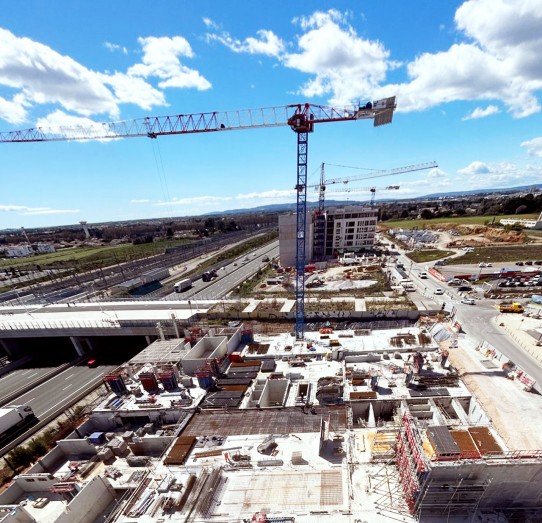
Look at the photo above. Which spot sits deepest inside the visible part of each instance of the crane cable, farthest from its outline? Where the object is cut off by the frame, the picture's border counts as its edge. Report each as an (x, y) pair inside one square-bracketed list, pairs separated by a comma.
[(161, 173)]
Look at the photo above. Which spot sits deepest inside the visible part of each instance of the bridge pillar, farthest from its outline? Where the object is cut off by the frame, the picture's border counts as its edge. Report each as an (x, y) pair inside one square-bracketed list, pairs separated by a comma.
[(148, 340), (77, 345)]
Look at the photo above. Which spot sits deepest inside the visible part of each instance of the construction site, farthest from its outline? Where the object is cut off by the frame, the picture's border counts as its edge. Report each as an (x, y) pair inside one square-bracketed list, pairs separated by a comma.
[(228, 425)]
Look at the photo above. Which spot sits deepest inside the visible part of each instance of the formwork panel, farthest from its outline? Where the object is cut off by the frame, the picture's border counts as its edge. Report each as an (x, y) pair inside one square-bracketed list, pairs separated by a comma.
[(484, 440), (464, 442)]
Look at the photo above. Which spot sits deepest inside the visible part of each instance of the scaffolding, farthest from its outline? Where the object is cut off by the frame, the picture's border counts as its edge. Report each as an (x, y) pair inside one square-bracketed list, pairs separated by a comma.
[(412, 464)]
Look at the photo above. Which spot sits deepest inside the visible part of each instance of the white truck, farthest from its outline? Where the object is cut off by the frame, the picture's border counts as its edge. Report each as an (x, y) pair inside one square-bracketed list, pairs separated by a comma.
[(182, 285), (14, 419)]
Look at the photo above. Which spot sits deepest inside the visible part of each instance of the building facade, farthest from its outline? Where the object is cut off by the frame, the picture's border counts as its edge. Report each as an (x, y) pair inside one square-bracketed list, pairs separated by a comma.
[(343, 229)]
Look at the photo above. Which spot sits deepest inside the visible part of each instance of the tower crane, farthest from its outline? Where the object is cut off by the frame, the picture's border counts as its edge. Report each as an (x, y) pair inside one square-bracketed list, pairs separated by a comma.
[(300, 117), (319, 217)]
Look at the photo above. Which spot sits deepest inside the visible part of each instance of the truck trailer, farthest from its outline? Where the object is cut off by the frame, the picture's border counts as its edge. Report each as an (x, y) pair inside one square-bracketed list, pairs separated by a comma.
[(182, 285), (14, 420)]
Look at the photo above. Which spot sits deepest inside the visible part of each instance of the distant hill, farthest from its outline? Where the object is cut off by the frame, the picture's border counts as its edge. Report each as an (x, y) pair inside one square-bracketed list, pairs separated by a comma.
[(285, 207)]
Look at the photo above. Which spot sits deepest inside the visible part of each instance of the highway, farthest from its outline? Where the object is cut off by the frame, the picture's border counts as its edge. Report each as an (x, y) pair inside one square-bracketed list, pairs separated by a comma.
[(19, 379), (230, 276), (60, 391)]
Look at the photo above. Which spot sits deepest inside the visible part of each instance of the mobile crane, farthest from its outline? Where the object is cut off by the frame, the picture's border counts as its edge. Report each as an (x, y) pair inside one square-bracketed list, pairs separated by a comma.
[(300, 117)]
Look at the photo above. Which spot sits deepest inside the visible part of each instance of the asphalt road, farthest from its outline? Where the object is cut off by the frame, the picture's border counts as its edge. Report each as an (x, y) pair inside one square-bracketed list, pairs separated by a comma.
[(61, 390), (230, 276), (476, 320), (18, 379)]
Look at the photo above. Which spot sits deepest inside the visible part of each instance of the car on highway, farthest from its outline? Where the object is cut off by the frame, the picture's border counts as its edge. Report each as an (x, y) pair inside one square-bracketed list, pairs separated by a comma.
[(485, 264), (468, 301), (439, 291), (423, 275), (92, 363)]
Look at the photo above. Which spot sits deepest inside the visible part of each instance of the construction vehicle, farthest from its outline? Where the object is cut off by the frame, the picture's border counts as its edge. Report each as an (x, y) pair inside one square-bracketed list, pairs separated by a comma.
[(511, 307), (14, 419)]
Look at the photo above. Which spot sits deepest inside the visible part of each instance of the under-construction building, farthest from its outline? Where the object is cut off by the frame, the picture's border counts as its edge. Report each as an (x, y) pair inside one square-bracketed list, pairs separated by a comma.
[(329, 234)]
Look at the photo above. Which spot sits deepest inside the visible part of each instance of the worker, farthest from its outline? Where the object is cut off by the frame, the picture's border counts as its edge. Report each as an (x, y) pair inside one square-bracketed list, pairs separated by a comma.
[(418, 362), (444, 357), (409, 373)]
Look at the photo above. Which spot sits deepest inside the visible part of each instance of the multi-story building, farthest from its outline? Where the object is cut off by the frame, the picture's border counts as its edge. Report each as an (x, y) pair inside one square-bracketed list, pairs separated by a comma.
[(343, 229)]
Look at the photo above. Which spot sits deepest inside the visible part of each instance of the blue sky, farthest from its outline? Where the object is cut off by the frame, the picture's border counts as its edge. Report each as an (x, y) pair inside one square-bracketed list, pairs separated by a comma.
[(467, 77)]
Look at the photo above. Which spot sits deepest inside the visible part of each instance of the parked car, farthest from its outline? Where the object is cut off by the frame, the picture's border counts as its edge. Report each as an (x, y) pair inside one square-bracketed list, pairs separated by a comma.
[(439, 291), (485, 264), (468, 301), (528, 263), (463, 288), (519, 263), (538, 262)]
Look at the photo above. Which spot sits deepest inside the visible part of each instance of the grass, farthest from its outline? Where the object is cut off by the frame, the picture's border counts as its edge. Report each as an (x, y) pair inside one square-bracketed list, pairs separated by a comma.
[(504, 253), (428, 255), (460, 220), (102, 256)]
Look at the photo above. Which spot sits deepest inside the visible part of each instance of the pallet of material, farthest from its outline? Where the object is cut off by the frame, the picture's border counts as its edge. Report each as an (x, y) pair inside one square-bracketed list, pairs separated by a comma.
[(248, 363), (181, 448), (442, 442), (367, 395)]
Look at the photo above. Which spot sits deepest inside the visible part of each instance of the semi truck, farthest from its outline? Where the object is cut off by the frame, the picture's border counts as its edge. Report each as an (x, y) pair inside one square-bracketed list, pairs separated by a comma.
[(14, 420), (182, 285)]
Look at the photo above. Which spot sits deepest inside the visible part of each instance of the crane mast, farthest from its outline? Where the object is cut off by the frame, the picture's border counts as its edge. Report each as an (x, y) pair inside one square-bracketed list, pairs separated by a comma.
[(300, 117)]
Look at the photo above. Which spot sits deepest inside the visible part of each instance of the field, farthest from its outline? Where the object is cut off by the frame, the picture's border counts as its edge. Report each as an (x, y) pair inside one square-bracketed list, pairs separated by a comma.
[(428, 255), (504, 253), (100, 256), (463, 220)]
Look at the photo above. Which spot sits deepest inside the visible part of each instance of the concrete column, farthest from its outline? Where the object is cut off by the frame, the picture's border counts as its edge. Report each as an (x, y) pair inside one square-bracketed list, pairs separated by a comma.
[(77, 345), (148, 340)]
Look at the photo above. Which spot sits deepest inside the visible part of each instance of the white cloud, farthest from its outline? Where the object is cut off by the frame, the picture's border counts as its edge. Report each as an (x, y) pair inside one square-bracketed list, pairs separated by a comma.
[(24, 210), (267, 43), (500, 61), (482, 113), (46, 210), (269, 195), (115, 47), (505, 174), (140, 201), (534, 146), (74, 127), (132, 89), (161, 60), (435, 172), (344, 65), (14, 111), (475, 168), (210, 23), (44, 76)]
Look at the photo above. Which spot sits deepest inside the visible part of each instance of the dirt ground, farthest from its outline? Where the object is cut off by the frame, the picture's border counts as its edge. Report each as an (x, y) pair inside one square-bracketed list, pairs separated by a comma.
[(515, 413)]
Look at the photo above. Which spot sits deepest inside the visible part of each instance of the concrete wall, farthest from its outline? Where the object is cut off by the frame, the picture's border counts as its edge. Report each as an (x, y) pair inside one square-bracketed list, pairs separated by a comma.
[(89, 503), (203, 350), (274, 393), (17, 515), (288, 239), (151, 445), (77, 447), (508, 484)]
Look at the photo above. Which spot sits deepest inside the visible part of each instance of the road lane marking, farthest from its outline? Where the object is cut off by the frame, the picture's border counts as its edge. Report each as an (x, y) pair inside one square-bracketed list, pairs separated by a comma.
[(70, 385), (69, 377)]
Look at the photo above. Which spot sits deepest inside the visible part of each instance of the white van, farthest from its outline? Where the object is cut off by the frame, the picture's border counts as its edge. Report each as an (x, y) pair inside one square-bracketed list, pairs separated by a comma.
[(423, 275)]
